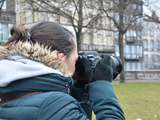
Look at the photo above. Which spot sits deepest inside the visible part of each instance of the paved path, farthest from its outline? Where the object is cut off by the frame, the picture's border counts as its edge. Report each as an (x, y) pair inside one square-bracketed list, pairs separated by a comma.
[(139, 81)]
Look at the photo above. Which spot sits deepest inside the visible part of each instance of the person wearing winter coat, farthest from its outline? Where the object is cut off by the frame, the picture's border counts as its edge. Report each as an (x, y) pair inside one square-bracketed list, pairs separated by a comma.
[(36, 69)]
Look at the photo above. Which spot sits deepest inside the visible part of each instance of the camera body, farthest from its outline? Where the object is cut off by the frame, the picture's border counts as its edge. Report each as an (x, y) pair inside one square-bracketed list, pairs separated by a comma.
[(94, 58)]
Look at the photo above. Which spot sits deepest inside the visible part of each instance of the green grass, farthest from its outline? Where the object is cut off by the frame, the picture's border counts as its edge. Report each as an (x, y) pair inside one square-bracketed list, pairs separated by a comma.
[(139, 100)]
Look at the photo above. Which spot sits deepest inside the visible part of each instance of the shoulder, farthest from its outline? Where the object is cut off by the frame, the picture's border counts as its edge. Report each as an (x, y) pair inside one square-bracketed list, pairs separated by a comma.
[(58, 100), (58, 104), (51, 97)]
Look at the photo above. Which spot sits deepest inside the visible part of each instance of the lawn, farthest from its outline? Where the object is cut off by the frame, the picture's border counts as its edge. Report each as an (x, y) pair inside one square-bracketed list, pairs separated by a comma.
[(140, 101)]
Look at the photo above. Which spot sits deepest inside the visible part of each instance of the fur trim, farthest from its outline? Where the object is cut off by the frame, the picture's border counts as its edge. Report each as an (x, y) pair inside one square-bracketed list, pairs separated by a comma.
[(34, 52)]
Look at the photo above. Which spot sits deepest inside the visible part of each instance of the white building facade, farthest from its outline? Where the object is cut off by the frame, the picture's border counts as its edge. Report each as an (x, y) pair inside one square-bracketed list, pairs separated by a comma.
[(142, 43), (151, 37), (98, 38), (7, 19)]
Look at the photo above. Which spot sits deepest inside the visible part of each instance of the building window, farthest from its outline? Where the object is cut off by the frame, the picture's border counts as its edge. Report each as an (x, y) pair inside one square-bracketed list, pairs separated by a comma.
[(4, 7), (117, 50), (29, 17), (158, 45), (99, 37), (151, 45), (86, 37), (145, 43), (23, 17), (133, 52), (134, 66), (4, 32), (37, 16)]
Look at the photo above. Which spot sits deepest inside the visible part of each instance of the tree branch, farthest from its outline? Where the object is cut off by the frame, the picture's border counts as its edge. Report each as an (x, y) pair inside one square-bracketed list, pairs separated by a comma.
[(93, 19), (48, 7), (1, 4)]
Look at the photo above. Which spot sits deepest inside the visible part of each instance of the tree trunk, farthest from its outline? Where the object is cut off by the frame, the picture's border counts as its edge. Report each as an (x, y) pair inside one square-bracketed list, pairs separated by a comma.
[(80, 25), (78, 37), (121, 30), (121, 52)]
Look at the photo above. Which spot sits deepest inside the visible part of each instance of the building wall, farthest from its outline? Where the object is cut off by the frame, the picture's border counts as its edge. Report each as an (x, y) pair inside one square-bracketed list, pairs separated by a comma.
[(141, 51), (147, 75), (94, 38), (151, 51), (7, 19), (151, 41)]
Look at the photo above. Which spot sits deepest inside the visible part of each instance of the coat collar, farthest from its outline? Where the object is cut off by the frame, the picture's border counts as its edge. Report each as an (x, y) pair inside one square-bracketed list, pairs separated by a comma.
[(44, 83), (18, 67)]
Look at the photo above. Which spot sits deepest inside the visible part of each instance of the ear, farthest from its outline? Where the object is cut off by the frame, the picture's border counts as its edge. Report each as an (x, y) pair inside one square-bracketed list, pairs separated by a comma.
[(61, 56)]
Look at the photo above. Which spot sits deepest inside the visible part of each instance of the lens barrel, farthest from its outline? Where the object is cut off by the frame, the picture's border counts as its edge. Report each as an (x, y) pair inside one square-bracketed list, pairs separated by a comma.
[(95, 58), (116, 66)]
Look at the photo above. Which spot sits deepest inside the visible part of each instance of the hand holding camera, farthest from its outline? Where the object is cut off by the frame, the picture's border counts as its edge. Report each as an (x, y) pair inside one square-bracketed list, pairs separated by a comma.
[(91, 69), (83, 72)]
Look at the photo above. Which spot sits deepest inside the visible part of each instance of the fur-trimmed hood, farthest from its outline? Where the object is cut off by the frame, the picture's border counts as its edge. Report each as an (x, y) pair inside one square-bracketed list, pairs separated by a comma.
[(24, 59), (34, 52)]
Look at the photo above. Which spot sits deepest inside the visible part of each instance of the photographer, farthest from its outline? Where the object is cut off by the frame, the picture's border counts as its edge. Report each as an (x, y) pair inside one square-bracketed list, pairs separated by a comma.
[(36, 67)]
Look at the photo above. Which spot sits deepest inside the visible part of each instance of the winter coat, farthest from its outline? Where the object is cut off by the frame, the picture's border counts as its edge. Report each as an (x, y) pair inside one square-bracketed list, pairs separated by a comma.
[(43, 93), (54, 102)]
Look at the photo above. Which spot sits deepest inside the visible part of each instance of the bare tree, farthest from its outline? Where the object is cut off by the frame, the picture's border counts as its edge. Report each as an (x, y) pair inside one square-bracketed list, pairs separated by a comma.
[(154, 17), (1, 5), (124, 14), (79, 12), (153, 7)]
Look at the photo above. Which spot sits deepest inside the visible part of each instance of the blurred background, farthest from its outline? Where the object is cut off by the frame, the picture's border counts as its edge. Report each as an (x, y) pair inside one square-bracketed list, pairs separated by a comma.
[(129, 29)]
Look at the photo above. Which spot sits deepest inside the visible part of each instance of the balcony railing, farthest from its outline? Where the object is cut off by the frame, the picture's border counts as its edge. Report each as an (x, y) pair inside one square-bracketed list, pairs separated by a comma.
[(133, 57), (102, 48), (131, 39)]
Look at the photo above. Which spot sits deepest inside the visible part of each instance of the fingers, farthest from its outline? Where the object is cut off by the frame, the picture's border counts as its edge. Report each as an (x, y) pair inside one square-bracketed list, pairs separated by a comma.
[(82, 65), (83, 72)]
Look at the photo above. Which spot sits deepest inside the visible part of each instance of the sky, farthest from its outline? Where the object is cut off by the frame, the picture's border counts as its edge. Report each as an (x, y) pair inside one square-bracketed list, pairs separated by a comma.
[(152, 5)]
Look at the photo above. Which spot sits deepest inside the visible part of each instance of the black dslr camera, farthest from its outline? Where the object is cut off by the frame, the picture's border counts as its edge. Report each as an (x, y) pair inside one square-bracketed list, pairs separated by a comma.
[(94, 57)]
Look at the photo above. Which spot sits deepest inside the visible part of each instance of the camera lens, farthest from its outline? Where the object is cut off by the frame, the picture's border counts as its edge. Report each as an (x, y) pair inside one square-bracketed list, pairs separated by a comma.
[(116, 66), (94, 58)]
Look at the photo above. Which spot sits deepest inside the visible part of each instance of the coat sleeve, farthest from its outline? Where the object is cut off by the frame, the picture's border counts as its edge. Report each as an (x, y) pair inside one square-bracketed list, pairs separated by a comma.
[(59, 106), (82, 96), (104, 101)]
